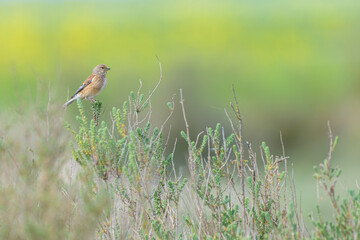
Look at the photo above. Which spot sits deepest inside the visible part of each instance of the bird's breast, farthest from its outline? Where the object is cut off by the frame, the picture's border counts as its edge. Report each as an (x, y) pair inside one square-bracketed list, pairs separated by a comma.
[(100, 83), (104, 84)]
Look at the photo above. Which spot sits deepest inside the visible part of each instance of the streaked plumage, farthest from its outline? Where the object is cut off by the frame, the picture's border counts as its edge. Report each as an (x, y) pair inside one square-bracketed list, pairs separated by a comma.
[(92, 86)]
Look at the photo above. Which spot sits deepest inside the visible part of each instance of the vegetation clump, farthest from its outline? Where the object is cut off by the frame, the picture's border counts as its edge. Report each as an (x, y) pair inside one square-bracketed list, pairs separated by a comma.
[(227, 195), (124, 184)]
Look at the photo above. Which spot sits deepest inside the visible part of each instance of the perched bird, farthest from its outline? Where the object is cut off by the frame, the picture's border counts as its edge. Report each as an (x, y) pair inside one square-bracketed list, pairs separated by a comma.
[(92, 86)]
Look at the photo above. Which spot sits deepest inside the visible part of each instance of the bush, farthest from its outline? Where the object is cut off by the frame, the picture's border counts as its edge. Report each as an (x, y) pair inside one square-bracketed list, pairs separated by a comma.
[(227, 196)]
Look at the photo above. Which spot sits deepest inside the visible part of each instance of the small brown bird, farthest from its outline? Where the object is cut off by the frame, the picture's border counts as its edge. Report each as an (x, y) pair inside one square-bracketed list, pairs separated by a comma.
[(92, 86)]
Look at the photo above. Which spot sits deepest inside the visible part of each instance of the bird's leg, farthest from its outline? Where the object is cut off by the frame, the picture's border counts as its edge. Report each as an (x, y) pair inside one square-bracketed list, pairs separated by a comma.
[(92, 100)]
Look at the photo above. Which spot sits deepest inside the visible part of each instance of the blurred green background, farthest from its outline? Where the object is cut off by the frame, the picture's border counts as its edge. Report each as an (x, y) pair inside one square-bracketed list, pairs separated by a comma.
[(294, 66)]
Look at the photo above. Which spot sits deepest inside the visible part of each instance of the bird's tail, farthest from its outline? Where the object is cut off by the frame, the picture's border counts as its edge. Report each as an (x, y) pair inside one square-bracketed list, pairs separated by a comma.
[(70, 101)]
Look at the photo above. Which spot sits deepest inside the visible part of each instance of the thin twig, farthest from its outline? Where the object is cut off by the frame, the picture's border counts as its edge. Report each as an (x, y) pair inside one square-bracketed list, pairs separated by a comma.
[(157, 85)]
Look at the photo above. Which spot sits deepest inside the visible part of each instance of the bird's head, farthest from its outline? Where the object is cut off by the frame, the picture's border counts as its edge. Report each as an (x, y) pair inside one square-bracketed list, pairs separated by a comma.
[(101, 69)]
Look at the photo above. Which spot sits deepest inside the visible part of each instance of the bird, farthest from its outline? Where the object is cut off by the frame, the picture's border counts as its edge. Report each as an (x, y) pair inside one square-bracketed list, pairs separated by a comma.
[(92, 86)]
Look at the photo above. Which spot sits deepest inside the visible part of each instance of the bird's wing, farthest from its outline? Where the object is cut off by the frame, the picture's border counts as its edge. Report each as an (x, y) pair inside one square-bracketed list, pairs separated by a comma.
[(86, 83)]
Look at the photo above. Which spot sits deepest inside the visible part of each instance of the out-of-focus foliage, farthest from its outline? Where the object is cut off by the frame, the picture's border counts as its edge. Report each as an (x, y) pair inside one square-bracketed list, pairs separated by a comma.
[(289, 54), (43, 195)]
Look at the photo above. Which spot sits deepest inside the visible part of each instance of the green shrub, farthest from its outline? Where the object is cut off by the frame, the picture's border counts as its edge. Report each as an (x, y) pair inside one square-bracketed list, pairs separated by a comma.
[(346, 211), (230, 196)]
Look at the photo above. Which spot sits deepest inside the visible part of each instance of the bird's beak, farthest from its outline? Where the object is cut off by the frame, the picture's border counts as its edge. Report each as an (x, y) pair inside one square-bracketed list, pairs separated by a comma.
[(108, 69)]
